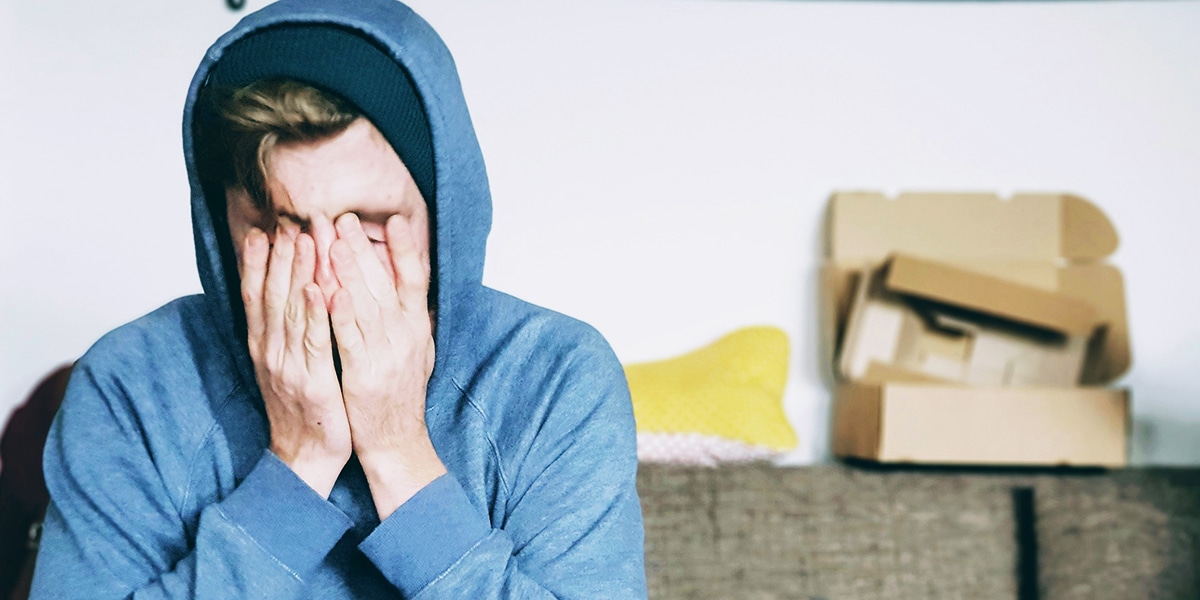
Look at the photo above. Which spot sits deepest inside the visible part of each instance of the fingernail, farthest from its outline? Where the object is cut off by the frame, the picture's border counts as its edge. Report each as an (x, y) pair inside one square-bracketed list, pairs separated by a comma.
[(304, 242), (312, 293), (402, 233), (347, 223), (255, 237)]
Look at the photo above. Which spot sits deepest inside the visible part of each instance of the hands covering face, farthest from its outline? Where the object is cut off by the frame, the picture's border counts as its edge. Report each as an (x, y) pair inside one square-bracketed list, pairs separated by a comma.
[(381, 326)]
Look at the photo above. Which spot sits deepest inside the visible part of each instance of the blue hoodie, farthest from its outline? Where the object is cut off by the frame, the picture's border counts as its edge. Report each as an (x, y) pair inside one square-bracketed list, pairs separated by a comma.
[(162, 485)]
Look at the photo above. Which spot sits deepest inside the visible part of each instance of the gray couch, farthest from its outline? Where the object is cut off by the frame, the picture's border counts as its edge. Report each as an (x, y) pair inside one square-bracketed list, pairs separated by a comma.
[(860, 533)]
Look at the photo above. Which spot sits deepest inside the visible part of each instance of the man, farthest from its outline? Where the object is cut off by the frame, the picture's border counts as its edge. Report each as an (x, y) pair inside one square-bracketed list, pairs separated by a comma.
[(364, 419)]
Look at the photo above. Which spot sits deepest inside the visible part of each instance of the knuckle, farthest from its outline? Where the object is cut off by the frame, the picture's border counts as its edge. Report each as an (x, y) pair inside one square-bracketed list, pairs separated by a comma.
[(352, 346), (292, 312), (313, 347), (271, 349), (272, 302), (291, 381), (311, 391)]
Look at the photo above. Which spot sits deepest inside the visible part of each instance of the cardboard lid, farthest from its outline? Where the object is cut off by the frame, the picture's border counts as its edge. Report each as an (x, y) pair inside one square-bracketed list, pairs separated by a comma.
[(952, 285), (867, 226)]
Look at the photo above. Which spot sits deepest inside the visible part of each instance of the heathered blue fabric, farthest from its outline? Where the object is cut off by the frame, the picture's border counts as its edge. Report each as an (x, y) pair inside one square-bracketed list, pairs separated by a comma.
[(162, 485)]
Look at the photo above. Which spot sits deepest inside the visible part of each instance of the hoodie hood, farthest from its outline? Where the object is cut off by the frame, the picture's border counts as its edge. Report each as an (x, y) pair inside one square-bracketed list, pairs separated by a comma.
[(460, 208)]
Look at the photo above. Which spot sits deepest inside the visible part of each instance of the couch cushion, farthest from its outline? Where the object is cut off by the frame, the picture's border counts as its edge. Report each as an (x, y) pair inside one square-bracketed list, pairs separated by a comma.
[(759, 532), (838, 532)]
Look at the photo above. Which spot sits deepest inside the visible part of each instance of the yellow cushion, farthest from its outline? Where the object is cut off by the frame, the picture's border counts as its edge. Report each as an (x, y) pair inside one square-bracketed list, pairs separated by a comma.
[(732, 388)]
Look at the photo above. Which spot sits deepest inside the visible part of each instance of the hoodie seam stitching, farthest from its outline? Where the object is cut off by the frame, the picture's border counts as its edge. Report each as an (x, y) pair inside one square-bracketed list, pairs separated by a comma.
[(487, 435), (194, 458)]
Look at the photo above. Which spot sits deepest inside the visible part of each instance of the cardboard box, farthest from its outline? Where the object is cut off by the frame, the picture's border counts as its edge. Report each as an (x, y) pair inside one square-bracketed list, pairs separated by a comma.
[(986, 330)]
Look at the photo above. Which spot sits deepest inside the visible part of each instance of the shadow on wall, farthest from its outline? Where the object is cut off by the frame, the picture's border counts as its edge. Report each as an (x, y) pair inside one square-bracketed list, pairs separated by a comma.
[(1171, 434), (1163, 440)]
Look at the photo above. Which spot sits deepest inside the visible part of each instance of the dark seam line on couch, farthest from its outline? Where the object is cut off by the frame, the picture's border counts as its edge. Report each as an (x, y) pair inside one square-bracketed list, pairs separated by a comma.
[(1025, 525)]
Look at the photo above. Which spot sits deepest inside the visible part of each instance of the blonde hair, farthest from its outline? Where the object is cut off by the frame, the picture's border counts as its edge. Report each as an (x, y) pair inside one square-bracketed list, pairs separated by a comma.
[(237, 129)]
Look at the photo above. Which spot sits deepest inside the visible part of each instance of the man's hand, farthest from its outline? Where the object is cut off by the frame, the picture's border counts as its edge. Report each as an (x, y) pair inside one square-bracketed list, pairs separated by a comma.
[(288, 334), (384, 337)]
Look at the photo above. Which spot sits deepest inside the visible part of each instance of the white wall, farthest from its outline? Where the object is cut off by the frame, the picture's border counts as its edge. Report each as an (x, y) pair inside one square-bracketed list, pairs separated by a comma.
[(659, 166)]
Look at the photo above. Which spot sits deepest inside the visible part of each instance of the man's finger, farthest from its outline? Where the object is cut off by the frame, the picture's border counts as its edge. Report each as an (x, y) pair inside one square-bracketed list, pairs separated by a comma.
[(374, 276), (304, 263), (410, 263), (277, 288), (345, 329), (318, 348), (255, 251), (367, 312), (419, 229), (295, 322)]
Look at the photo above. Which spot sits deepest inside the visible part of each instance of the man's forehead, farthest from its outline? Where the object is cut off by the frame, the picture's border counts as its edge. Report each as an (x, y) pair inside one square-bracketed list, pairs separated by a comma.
[(354, 171)]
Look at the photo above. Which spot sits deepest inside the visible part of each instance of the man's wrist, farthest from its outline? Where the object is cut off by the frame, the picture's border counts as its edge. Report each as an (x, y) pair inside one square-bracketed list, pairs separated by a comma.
[(319, 471), (395, 476)]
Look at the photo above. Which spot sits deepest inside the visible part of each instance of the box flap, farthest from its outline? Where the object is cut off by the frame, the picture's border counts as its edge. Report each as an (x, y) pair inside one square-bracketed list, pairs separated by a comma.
[(856, 421), (867, 226), (940, 282), (1102, 285), (1087, 233)]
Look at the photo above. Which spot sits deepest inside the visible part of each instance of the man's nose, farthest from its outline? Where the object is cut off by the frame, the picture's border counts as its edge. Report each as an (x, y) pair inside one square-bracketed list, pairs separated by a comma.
[(323, 234)]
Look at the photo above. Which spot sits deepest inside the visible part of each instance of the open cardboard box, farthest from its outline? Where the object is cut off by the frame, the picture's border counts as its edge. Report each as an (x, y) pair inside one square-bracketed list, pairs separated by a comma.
[(986, 330)]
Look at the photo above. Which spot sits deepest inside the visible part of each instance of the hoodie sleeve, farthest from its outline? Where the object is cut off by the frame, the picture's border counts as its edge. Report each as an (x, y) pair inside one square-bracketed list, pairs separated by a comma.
[(572, 526), (114, 528)]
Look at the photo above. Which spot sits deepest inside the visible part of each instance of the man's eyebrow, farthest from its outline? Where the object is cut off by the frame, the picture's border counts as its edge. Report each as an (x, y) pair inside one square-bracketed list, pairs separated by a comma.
[(375, 216), (304, 223)]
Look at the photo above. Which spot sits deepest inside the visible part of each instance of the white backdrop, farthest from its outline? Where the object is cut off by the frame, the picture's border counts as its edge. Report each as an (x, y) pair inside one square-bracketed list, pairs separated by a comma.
[(659, 167)]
